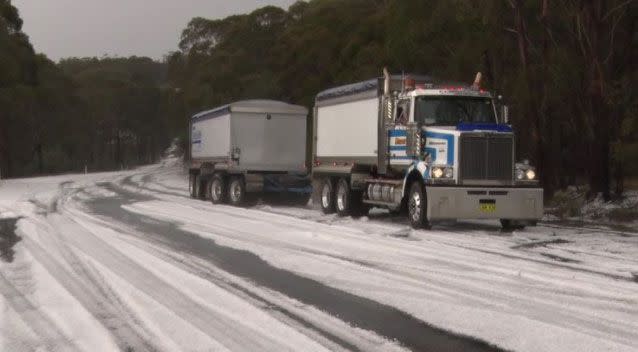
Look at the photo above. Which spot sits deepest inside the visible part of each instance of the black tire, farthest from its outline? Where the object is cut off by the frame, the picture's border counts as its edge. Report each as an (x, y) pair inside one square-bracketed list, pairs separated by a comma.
[(199, 188), (192, 189), (327, 196), (217, 190), (509, 225), (237, 191), (343, 198), (417, 206)]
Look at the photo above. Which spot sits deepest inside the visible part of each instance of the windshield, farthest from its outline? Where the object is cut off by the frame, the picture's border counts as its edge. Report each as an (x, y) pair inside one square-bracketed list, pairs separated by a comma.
[(452, 110)]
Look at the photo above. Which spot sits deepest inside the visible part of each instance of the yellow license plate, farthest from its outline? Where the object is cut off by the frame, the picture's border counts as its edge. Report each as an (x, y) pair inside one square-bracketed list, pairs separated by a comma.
[(488, 207)]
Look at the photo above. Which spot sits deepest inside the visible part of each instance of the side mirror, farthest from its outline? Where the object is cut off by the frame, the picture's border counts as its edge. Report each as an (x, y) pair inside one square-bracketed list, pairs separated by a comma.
[(504, 110)]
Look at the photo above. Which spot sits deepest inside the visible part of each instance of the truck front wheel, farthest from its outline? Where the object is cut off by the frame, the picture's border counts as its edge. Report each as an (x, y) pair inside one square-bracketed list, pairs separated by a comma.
[(217, 190), (417, 206), (237, 191), (327, 196)]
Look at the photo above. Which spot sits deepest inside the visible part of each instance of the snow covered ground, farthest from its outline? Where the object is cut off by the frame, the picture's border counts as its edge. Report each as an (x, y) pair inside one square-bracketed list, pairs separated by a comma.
[(126, 261)]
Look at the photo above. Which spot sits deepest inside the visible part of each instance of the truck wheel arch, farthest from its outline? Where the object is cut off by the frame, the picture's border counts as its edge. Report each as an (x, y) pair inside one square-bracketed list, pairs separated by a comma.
[(412, 176)]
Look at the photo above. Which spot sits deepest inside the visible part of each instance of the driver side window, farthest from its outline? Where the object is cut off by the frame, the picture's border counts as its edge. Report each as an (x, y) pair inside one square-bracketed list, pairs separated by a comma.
[(403, 112)]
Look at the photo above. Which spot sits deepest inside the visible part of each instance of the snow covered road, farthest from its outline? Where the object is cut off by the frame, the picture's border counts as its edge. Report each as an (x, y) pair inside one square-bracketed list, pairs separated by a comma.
[(126, 261)]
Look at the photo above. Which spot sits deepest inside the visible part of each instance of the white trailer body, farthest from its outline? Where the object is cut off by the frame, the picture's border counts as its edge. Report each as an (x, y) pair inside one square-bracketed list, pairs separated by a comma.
[(356, 135), (254, 135), (249, 146), (210, 137), (274, 142)]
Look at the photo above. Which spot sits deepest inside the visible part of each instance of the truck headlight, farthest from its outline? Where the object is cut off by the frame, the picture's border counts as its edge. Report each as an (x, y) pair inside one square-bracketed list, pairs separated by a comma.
[(525, 172), (437, 172), (520, 174), (442, 172), (449, 172)]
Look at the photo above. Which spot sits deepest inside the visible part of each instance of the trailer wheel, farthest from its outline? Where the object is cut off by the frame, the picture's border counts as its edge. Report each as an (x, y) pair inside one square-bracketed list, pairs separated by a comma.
[(217, 190), (343, 199), (237, 191), (417, 206), (198, 188), (192, 189), (327, 196)]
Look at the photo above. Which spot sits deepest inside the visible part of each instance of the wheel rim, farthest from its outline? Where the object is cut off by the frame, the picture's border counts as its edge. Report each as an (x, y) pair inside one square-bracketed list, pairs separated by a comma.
[(325, 196), (235, 191), (415, 206), (341, 198), (216, 190)]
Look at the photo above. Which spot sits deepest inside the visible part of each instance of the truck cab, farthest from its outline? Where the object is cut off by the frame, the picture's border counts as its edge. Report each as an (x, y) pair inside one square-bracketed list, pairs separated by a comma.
[(442, 154), (465, 157)]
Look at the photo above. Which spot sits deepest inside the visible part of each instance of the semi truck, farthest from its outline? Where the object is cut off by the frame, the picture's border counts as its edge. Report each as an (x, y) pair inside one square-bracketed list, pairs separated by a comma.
[(246, 148), (409, 144)]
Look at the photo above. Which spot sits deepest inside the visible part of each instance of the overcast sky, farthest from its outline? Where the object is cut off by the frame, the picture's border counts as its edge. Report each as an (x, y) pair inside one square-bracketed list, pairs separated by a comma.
[(64, 28)]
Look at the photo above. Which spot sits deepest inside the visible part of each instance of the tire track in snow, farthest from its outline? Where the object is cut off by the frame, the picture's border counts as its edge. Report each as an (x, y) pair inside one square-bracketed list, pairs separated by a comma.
[(539, 260), (334, 339), (51, 338), (570, 318), (543, 258), (223, 329), (465, 287), (360, 312), (94, 297), (406, 249)]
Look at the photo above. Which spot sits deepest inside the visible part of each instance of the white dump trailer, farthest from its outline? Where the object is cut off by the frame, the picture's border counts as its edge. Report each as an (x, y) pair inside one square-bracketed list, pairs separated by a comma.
[(250, 146)]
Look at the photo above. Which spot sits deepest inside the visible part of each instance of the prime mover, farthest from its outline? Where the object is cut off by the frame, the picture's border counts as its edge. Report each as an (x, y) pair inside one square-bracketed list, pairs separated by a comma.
[(433, 151)]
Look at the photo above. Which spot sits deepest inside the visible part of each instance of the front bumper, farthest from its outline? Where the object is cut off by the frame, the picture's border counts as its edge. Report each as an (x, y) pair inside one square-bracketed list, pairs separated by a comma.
[(484, 203)]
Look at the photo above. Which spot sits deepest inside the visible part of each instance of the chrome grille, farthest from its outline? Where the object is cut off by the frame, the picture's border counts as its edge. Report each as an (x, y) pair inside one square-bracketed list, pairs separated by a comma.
[(486, 157)]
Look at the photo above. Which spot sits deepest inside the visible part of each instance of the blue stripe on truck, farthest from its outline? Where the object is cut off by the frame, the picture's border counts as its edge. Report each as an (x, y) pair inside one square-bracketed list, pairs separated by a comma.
[(450, 144), (398, 133)]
